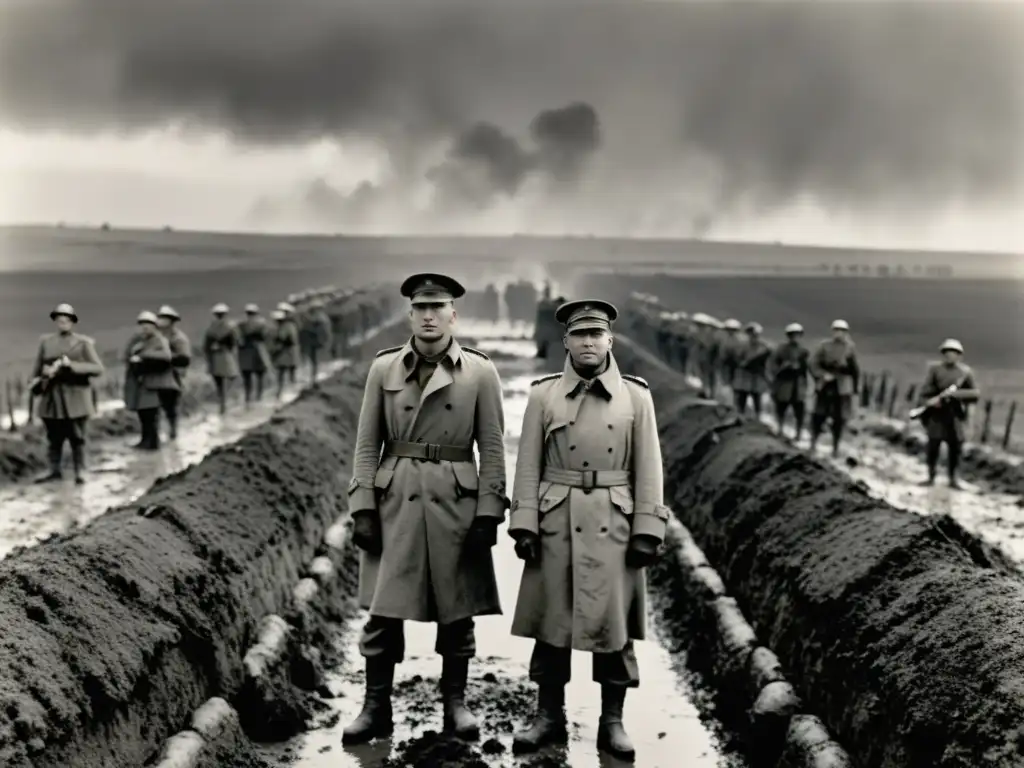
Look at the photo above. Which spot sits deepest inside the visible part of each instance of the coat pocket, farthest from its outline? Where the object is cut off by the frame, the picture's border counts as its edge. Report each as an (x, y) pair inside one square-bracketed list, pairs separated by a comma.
[(467, 482), (620, 526), (550, 498)]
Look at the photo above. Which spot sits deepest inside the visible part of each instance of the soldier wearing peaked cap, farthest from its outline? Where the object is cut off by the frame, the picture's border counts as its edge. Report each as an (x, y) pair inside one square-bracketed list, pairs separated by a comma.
[(168, 320), (788, 369), (220, 347), (61, 379), (148, 372), (424, 517), (946, 394), (253, 355), (587, 516)]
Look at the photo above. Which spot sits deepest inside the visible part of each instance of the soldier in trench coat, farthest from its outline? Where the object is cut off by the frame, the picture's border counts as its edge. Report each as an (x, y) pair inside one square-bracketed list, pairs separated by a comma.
[(750, 376), (65, 365), (253, 357), (148, 371), (181, 359), (424, 517), (220, 346), (587, 516), (836, 371), (788, 369)]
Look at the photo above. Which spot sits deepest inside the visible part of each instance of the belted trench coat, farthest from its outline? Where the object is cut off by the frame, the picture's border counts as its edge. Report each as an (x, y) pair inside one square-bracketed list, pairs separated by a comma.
[(69, 394), (426, 507), (581, 594), (788, 368), (253, 356), (143, 381), (751, 360), (946, 423), (220, 346)]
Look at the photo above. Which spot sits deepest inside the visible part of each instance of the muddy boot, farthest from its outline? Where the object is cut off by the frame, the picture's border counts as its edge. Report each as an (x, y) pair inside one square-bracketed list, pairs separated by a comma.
[(611, 734), (929, 481), (172, 427), (458, 720), (375, 720), (55, 473), (548, 725), (78, 462)]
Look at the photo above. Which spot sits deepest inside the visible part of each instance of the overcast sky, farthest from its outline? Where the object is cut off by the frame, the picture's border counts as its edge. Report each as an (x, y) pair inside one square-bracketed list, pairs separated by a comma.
[(854, 123)]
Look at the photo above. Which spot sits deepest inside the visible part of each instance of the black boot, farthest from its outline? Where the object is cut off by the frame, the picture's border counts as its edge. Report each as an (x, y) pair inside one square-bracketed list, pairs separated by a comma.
[(78, 461), (611, 734), (548, 725), (458, 719), (172, 426), (375, 720), (54, 474)]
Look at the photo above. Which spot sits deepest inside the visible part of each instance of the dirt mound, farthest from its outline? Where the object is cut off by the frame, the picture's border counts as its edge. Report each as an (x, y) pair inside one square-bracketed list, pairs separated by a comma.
[(111, 636), (904, 633)]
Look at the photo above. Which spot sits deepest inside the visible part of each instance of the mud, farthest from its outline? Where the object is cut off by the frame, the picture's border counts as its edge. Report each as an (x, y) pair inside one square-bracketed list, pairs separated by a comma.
[(113, 634), (903, 632)]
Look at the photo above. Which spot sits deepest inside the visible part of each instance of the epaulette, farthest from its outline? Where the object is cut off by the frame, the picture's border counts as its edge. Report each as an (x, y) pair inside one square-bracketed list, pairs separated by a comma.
[(476, 352), (388, 351), (636, 380), (542, 379)]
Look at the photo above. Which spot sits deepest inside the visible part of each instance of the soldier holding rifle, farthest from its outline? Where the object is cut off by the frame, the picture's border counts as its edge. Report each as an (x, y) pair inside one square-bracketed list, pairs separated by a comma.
[(220, 346), (587, 517), (148, 372), (65, 364), (181, 358), (946, 394), (423, 516), (836, 373), (788, 370)]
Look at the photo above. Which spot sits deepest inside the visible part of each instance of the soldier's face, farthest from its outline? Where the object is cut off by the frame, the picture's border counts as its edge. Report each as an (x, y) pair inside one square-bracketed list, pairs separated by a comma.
[(432, 320), (950, 356), (63, 323), (589, 346), (839, 334), (164, 322), (147, 329)]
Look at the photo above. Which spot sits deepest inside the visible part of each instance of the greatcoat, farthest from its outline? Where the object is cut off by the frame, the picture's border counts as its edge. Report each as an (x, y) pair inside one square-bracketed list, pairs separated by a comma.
[(144, 381), (426, 507), (751, 361), (69, 394), (789, 368), (581, 594), (220, 346), (253, 356), (946, 423), (181, 353), (284, 344)]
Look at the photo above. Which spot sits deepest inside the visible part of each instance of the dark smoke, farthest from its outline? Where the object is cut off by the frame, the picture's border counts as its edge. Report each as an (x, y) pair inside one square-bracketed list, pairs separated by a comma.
[(681, 111)]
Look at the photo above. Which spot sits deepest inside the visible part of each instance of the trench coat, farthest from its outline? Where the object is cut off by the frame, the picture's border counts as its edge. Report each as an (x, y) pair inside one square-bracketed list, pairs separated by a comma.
[(144, 381), (220, 346), (840, 359), (789, 368), (181, 353), (426, 508), (751, 372), (581, 594), (946, 423), (315, 331), (253, 356), (729, 357), (69, 394), (284, 344)]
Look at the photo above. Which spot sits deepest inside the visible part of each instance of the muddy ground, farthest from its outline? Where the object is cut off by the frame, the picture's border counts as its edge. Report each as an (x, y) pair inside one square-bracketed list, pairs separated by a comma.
[(903, 632)]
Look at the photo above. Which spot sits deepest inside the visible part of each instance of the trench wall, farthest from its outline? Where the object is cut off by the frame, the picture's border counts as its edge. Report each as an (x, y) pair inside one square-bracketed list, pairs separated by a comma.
[(112, 635), (904, 633)]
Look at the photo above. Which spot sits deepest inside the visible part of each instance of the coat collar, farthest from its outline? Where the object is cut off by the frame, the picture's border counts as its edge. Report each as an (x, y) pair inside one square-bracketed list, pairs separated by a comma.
[(607, 384), (405, 362)]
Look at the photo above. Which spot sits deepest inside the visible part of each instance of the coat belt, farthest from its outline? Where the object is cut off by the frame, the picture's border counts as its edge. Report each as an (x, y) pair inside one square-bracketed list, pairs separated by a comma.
[(428, 451), (587, 478)]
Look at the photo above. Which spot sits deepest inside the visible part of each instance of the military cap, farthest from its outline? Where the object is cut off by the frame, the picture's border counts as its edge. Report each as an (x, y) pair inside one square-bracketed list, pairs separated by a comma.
[(586, 313), (732, 324), (65, 310), (794, 328), (285, 306), (840, 325), (252, 309), (277, 314), (952, 344), (428, 286), (754, 327), (145, 316), (220, 309), (701, 319), (168, 311)]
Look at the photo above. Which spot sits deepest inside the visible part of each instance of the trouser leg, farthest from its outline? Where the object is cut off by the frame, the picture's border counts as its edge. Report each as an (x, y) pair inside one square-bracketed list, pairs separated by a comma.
[(55, 434), (757, 400), (382, 644), (954, 449), (739, 399), (260, 376), (838, 424), (551, 669), (616, 672), (282, 375), (221, 387), (76, 438), (456, 643), (781, 408), (169, 404), (148, 422), (799, 410), (247, 386)]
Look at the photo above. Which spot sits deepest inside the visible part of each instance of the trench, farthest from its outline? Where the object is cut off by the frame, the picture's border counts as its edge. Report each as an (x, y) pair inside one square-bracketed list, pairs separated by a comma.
[(667, 717)]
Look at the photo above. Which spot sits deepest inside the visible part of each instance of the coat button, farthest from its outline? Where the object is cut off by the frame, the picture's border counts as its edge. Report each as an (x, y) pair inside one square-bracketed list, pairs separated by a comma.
[(435, 499), (578, 529), (572, 447), (571, 423), (604, 529), (611, 426), (609, 450), (586, 463), (447, 406), (408, 407), (413, 497)]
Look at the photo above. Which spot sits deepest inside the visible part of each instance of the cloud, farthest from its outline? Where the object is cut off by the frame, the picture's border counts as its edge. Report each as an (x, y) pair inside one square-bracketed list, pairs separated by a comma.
[(672, 112)]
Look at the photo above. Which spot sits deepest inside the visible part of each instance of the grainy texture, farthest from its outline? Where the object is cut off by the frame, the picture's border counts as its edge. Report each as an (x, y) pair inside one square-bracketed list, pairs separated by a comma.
[(112, 635), (904, 633)]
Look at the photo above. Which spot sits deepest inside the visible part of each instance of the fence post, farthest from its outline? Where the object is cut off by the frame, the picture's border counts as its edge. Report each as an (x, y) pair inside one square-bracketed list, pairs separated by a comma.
[(986, 424), (892, 400), (1009, 425), (883, 387), (866, 388), (9, 397)]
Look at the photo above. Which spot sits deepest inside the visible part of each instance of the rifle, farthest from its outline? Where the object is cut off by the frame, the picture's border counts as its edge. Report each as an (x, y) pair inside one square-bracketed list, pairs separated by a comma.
[(921, 410)]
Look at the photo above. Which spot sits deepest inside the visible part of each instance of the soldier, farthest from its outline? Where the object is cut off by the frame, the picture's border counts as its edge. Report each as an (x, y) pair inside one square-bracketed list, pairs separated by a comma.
[(220, 346), (423, 517), (788, 370), (587, 517), (947, 393), (61, 379), (708, 350), (314, 336), (836, 373), (148, 371), (289, 327), (750, 376), (253, 358), (730, 347), (181, 358), (284, 349), (491, 304)]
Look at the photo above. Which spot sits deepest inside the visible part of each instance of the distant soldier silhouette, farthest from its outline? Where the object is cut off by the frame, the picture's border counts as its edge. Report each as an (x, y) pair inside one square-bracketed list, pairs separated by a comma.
[(220, 346), (788, 369), (314, 337), (836, 373), (181, 359), (148, 372), (750, 376), (253, 356)]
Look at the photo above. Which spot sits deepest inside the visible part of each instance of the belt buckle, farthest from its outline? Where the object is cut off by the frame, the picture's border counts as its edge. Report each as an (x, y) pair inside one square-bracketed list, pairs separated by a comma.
[(433, 453), (589, 479)]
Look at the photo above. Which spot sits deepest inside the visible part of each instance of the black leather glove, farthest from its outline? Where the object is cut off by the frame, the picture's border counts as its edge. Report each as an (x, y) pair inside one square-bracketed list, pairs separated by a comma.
[(527, 547), (483, 533), (366, 532), (642, 551)]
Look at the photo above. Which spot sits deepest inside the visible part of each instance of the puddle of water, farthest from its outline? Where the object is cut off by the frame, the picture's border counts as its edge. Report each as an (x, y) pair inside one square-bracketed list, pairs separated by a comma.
[(661, 717)]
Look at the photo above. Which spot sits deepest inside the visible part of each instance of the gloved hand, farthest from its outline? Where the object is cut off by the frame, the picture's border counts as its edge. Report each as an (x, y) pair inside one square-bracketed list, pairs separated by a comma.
[(527, 546), (483, 533), (366, 532), (642, 551)]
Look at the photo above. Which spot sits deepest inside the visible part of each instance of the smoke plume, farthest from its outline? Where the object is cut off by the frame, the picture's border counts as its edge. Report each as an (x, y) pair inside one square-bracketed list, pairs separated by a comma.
[(671, 115)]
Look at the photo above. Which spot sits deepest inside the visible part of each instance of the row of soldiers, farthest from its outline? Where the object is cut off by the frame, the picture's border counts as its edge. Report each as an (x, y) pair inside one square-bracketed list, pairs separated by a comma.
[(735, 356), (159, 355), (520, 300)]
